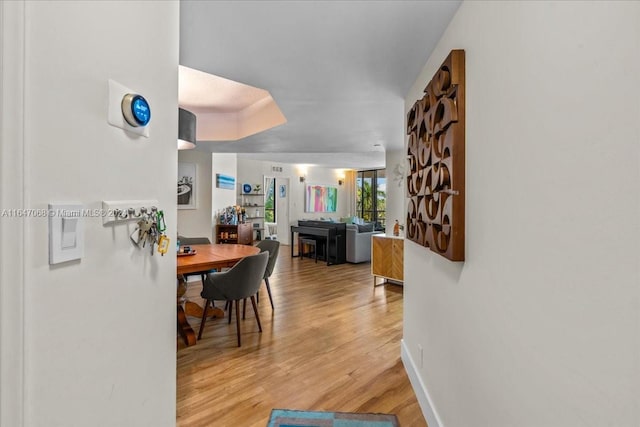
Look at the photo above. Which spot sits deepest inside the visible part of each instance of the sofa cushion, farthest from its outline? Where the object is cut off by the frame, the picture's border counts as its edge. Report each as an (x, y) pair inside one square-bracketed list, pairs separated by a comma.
[(365, 228)]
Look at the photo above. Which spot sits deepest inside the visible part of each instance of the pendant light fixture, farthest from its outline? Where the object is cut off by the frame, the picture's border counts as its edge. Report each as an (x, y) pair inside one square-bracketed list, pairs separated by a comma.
[(186, 130)]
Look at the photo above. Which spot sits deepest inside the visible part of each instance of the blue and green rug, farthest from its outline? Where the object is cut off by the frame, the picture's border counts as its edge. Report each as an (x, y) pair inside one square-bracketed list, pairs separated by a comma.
[(289, 418)]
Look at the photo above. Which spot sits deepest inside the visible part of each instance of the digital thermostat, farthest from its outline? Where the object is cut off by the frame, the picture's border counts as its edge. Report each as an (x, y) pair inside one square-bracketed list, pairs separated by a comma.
[(136, 110)]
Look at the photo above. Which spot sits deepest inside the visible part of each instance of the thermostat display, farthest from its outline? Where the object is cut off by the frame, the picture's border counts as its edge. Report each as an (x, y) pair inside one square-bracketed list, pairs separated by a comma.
[(136, 110)]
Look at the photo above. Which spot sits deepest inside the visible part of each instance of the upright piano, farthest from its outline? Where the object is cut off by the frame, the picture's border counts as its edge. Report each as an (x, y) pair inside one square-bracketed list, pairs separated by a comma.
[(331, 235)]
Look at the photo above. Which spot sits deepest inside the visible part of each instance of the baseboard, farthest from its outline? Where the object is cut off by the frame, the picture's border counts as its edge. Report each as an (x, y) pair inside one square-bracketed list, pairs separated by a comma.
[(430, 414)]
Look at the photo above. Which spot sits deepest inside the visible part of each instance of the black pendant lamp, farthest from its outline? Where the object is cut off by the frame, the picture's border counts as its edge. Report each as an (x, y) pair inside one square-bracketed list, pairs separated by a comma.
[(186, 130)]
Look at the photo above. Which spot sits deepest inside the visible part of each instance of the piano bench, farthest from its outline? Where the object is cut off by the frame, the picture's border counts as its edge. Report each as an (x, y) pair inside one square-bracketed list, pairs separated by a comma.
[(307, 242)]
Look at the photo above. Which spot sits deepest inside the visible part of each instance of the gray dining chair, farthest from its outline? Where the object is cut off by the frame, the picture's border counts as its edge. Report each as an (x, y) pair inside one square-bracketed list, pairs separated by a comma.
[(195, 241), (273, 247), (239, 282)]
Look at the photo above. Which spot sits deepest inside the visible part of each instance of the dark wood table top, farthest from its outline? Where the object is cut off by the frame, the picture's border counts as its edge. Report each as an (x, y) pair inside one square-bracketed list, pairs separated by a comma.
[(215, 256)]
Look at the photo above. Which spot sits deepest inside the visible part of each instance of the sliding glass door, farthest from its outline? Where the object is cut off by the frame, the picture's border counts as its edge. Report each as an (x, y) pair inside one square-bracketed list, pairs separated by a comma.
[(371, 195)]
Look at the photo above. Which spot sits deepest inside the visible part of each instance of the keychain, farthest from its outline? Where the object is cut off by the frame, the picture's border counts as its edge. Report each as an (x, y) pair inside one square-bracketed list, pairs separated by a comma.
[(151, 228), (163, 244)]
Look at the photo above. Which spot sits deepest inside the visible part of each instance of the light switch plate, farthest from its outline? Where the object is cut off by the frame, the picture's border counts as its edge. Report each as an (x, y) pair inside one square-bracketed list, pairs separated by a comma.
[(66, 232)]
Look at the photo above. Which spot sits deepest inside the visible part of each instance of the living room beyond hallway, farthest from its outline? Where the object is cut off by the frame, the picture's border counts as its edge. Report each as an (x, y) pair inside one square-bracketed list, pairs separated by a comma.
[(332, 343)]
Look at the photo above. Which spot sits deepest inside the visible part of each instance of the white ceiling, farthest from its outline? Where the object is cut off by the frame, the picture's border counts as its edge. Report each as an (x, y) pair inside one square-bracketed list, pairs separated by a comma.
[(338, 70)]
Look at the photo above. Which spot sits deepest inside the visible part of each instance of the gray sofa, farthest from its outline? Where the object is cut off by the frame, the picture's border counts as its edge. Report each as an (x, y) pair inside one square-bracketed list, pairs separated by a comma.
[(359, 244)]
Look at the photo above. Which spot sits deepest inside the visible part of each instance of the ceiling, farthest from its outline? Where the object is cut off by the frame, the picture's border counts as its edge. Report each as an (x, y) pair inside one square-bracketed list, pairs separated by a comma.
[(338, 70)]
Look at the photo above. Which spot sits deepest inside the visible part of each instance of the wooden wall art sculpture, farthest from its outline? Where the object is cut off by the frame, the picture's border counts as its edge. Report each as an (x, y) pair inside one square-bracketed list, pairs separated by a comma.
[(435, 152)]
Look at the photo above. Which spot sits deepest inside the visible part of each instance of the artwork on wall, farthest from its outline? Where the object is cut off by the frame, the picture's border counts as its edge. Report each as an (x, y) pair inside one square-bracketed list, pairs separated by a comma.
[(187, 186), (436, 161), (282, 191), (226, 182), (321, 198)]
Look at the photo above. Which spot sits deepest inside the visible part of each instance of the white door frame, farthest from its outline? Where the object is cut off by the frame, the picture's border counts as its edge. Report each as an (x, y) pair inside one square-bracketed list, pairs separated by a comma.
[(283, 210), (12, 229)]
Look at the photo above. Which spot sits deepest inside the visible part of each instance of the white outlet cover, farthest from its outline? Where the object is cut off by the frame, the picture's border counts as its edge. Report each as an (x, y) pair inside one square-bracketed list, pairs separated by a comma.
[(115, 118)]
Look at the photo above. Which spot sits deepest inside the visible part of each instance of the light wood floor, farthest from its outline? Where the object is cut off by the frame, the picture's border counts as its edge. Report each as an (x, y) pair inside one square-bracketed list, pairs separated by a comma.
[(332, 344)]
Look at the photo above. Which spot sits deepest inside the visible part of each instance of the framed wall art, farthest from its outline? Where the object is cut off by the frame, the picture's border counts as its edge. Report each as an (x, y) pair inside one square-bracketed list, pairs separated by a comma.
[(436, 162), (187, 186), (226, 182), (321, 198)]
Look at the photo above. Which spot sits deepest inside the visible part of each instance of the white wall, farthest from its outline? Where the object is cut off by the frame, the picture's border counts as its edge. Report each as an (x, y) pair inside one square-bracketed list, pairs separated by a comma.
[(11, 229), (253, 171), (539, 327), (396, 206), (197, 222), (99, 334)]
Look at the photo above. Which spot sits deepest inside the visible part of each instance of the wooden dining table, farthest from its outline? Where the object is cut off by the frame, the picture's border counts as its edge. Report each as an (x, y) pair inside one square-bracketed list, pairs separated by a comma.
[(205, 259)]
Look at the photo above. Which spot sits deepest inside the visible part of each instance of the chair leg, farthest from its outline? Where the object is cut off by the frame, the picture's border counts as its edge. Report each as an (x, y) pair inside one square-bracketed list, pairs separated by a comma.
[(238, 319), (244, 309), (204, 319), (255, 310), (266, 281), (230, 304)]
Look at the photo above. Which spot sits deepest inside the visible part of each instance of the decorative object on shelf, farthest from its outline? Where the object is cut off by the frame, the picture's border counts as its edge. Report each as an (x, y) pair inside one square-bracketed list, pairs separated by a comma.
[(321, 198), (256, 188), (231, 215), (246, 188), (436, 159), (187, 186), (226, 182)]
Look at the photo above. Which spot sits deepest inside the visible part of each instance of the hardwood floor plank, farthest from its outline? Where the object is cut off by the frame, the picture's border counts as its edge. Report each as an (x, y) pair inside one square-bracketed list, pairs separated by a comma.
[(332, 344)]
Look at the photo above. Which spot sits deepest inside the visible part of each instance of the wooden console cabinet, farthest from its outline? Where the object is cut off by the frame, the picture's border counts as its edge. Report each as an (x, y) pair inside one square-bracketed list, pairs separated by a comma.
[(387, 258), (241, 234)]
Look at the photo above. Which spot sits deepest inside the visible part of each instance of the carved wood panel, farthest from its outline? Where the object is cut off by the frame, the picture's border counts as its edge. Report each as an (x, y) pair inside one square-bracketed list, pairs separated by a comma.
[(436, 162)]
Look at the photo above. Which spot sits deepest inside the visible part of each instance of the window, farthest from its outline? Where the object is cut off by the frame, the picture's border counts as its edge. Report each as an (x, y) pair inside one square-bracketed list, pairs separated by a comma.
[(371, 196), (270, 200)]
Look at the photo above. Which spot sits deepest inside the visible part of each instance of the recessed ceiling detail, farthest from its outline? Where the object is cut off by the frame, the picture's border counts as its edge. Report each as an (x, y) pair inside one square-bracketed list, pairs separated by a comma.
[(226, 110)]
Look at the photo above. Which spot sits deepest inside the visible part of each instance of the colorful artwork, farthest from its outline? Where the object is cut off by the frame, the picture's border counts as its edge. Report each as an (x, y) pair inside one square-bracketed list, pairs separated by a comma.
[(321, 198), (225, 181)]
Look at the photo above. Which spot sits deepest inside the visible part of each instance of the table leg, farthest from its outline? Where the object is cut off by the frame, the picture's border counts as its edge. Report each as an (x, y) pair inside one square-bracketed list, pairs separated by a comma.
[(187, 334), (194, 310), (184, 329)]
